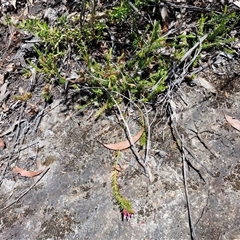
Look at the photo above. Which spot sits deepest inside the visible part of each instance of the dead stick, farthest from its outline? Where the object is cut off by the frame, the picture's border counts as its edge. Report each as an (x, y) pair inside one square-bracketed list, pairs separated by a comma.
[(192, 229), (135, 152)]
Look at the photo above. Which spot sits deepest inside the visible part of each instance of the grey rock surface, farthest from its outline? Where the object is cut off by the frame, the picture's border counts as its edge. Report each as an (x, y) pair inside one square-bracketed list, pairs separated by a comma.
[(74, 200)]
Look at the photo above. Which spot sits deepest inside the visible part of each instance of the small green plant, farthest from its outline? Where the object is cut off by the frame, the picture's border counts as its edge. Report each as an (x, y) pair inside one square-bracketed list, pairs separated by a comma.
[(25, 97), (156, 67), (120, 13), (46, 92), (143, 139), (27, 73), (124, 204), (219, 27), (47, 64)]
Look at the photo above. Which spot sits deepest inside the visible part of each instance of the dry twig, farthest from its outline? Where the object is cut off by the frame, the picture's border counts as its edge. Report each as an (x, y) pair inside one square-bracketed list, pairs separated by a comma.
[(133, 146), (201, 140), (192, 229), (39, 117), (185, 147)]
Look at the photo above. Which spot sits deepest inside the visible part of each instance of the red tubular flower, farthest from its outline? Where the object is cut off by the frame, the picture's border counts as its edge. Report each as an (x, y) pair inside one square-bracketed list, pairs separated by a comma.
[(126, 214)]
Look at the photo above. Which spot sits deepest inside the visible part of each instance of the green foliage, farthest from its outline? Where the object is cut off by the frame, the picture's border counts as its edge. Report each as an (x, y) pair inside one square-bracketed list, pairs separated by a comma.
[(145, 60), (121, 12), (219, 27), (25, 97), (46, 94), (141, 75), (47, 64), (107, 105), (143, 139), (122, 202)]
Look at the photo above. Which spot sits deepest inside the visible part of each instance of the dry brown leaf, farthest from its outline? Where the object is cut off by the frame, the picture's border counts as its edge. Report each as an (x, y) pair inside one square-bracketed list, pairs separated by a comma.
[(13, 3), (1, 78), (125, 144), (4, 107), (164, 13), (21, 91), (165, 27), (149, 171), (26, 173), (234, 122), (118, 168), (25, 12), (2, 144), (31, 2), (226, 94), (3, 89), (10, 67), (204, 83)]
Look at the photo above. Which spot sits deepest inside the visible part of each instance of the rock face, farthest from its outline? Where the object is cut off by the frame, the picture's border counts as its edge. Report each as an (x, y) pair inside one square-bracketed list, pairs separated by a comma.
[(74, 199)]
